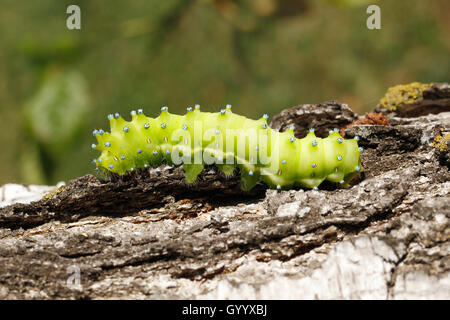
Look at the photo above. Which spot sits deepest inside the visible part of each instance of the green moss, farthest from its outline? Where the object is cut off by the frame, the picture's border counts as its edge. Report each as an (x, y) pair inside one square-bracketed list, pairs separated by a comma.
[(403, 94), (54, 192), (440, 142)]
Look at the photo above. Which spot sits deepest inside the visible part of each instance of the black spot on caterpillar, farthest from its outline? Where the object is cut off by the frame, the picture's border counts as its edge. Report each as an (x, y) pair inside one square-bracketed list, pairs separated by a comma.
[(226, 140)]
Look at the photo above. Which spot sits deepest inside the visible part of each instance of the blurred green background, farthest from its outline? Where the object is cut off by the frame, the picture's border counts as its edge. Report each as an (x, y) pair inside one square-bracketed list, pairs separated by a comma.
[(261, 56)]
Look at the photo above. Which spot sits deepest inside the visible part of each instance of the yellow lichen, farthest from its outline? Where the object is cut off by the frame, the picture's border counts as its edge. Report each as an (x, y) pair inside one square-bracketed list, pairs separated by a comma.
[(403, 94), (441, 142), (54, 192)]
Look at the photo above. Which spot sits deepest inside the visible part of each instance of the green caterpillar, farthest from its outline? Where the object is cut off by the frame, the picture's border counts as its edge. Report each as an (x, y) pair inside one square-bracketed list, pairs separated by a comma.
[(226, 140)]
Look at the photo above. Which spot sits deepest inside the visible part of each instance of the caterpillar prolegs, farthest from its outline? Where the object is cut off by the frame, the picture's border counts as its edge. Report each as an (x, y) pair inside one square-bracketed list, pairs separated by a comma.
[(226, 140)]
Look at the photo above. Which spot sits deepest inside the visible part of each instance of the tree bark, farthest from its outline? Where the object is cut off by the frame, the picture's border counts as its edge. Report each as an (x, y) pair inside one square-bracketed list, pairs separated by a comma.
[(153, 236)]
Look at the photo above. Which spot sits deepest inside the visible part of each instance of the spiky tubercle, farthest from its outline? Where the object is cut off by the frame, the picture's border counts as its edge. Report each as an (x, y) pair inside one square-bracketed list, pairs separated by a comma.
[(202, 138)]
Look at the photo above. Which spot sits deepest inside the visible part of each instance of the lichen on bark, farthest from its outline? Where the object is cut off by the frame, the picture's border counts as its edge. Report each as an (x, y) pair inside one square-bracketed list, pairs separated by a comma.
[(152, 236)]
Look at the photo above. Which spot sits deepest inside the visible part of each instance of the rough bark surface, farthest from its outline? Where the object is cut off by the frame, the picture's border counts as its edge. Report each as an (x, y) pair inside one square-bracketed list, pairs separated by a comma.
[(322, 117), (152, 236), (435, 99)]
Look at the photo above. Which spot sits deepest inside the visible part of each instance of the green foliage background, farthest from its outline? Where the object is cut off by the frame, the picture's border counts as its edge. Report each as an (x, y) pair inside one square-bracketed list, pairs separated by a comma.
[(261, 56)]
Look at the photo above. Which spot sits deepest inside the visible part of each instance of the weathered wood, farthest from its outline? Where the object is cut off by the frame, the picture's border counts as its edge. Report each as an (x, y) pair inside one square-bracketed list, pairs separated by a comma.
[(125, 195), (154, 236)]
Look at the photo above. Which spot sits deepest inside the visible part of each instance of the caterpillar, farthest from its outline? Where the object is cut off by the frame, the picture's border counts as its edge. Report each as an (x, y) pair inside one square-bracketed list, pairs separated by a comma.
[(226, 140)]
